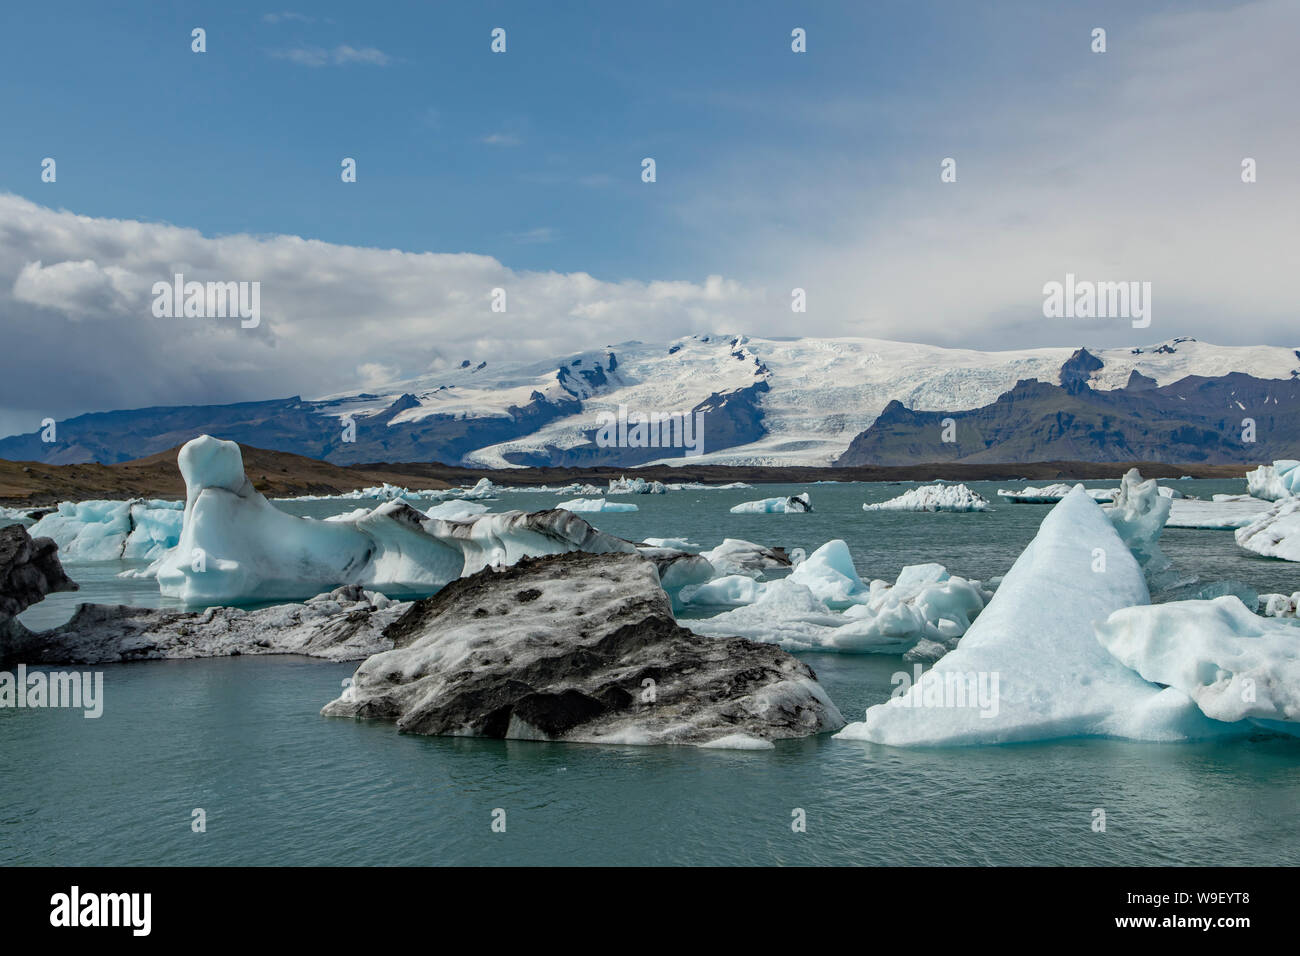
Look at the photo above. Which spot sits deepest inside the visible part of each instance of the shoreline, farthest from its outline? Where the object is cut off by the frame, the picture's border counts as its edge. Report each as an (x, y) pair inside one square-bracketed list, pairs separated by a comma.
[(282, 475)]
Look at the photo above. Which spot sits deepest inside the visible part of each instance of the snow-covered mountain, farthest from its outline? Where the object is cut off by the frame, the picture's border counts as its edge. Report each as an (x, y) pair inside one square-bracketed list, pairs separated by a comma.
[(762, 401)]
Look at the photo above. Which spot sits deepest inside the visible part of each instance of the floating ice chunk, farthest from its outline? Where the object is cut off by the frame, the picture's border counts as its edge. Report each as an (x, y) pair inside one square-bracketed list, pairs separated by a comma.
[(1279, 605), (1050, 494), (482, 490), (731, 590), (775, 506), (1034, 649), (457, 509), (739, 742), (1139, 517), (1274, 534), (925, 604), (738, 556), (1232, 662), (680, 544), (635, 486), (829, 573), (700, 486), (934, 498), (583, 505), (1224, 513), (110, 530), (1276, 481)]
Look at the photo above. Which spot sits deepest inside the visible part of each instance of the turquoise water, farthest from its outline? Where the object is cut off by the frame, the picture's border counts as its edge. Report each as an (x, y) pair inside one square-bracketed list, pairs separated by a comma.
[(242, 738)]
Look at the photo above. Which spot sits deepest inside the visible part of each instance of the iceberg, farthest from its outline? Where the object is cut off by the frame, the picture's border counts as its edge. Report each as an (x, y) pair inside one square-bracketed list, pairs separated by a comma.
[(457, 509), (1224, 513), (801, 612), (1233, 663), (235, 547), (112, 530), (738, 556), (635, 486), (775, 506), (1033, 649), (677, 544), (934, 498), (1274, 534), (1051, 494), (1276, 481), (1279, 605), (583, 505), (629, 675)]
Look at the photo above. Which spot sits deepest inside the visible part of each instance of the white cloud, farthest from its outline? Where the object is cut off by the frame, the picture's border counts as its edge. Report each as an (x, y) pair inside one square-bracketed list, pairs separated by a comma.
[(339, 56), (75, 291), (1117, 166)]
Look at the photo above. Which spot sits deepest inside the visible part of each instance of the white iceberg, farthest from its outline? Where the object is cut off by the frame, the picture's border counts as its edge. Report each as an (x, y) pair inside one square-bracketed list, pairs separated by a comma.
[(1050, 494), (1279, 605), (456, 509), (112, 530), (1030, 667), (1274, 534), (1223, 513), (583, 505), (934, 498), (775, 506), (1233, 663), (800, 612), (677, 544), (1276, 481), (236, 547), (635, 486)]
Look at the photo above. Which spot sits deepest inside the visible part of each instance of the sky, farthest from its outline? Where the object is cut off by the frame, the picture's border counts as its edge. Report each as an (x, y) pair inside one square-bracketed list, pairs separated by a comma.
[(522, 170)]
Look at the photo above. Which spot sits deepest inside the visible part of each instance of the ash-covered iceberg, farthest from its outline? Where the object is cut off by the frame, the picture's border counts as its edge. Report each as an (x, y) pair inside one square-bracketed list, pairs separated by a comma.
[(1233, 663), (794, 504), (1275, 533), (1031, 668), (585, 649), (235, 547), (955, 498)]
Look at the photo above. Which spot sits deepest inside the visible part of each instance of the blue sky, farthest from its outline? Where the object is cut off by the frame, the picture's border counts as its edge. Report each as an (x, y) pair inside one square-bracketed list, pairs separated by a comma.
[(532, 156), (775, 170)]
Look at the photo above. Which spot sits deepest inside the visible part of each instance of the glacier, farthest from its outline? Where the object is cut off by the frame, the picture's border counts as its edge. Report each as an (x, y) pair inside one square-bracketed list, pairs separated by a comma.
[(942, 497), (1034, 645)]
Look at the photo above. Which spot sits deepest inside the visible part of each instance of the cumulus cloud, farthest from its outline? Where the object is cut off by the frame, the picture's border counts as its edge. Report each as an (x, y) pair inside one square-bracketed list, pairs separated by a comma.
[(76, 297)]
